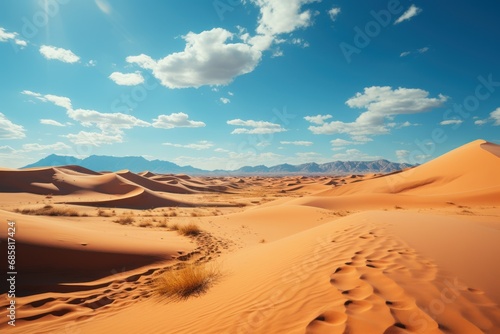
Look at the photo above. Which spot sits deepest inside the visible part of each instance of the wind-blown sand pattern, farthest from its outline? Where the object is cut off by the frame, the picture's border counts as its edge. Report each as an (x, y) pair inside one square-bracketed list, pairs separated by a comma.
[(410, 252)]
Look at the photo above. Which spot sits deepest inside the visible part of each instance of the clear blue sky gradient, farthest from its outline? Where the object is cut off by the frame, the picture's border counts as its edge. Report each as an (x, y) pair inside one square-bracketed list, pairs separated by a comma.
[(423, 77)]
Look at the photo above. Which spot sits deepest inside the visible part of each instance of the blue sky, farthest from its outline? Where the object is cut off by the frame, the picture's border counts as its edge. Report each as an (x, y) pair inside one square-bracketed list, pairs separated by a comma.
[(224, 83)]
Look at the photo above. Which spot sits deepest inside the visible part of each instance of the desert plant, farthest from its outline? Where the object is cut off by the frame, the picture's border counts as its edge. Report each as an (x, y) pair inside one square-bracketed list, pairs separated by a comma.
[(125, 220), (192, 280), (49, 210), (190, 229), (146, 223)]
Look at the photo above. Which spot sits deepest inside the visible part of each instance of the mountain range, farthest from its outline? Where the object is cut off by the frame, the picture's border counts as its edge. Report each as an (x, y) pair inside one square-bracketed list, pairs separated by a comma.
[(140, 164)]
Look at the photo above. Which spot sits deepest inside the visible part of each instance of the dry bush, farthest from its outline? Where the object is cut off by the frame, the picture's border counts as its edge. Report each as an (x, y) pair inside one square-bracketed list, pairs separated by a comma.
[(49, 210), (146, 223), (163, 223), (190, 229), (192, 280), (125, 220), (102, 213), (174, 227)]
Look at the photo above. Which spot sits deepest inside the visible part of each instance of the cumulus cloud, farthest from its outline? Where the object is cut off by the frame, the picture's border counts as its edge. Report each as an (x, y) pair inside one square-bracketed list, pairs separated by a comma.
[(318, 119), (9, 130), (94, 138), (494, 118), (297, 143), (11, 36), (6, 150), (380, 104), (452, 122), (107, 122), (50, 122), (410, 13), (50, 147), (52, 52), (333, 13), (495, 115), (279, 17), (255, 127), (225, 100), (127, 79), (201, 145), (176, 120), (207, 59)]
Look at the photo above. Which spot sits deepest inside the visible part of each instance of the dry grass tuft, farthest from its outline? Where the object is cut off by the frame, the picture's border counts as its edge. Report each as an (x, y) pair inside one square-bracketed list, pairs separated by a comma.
[(125, 220), (49, 210), (192, 280), (190, 229), (146, 223)]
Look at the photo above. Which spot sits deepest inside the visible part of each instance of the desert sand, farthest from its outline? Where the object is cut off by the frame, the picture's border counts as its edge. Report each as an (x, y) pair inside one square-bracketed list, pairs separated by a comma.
[(411, 252)]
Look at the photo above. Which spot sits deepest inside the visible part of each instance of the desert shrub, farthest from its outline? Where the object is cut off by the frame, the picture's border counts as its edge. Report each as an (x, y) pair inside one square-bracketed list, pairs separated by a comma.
[(192, 280), (49, 210), (125, 220), (190, 229)]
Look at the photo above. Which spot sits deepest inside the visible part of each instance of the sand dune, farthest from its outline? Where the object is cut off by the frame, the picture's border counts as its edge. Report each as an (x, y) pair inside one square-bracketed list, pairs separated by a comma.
[(409, 252)]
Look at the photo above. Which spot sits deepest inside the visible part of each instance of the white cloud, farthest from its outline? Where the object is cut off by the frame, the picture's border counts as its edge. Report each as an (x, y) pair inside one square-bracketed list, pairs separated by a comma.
[(206, 60), (9, 130), (451, 122), (94, 138), (50, 122), (402, 155), (6, 150), (481, 121), (355, 155), (127, 79), (342, 142), (176, 120), (255, 127), (51, 147), (143, 61), (318, 119), (410, 13), (201, 145), (91, 63), (495, 115), (230, 93), (380, 103), (106, 122), (221, 150), (280, 17), (60, 101), (423, 50), (404, 54), (333, 13), (7, 36), (51, 52), (297, 143), (225, 100)]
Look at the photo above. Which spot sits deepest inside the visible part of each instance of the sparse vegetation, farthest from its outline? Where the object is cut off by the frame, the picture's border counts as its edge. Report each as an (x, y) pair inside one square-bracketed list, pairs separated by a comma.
[(174, 227), (49, 210), (146, 223), (190, 229), (163, 223), (102, 213), (192, 280), (397, 207), (125, 220), (262, 241)]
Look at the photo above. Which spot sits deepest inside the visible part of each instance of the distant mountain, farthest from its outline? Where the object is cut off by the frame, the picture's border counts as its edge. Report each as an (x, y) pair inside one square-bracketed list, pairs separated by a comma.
[(139, 164)]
